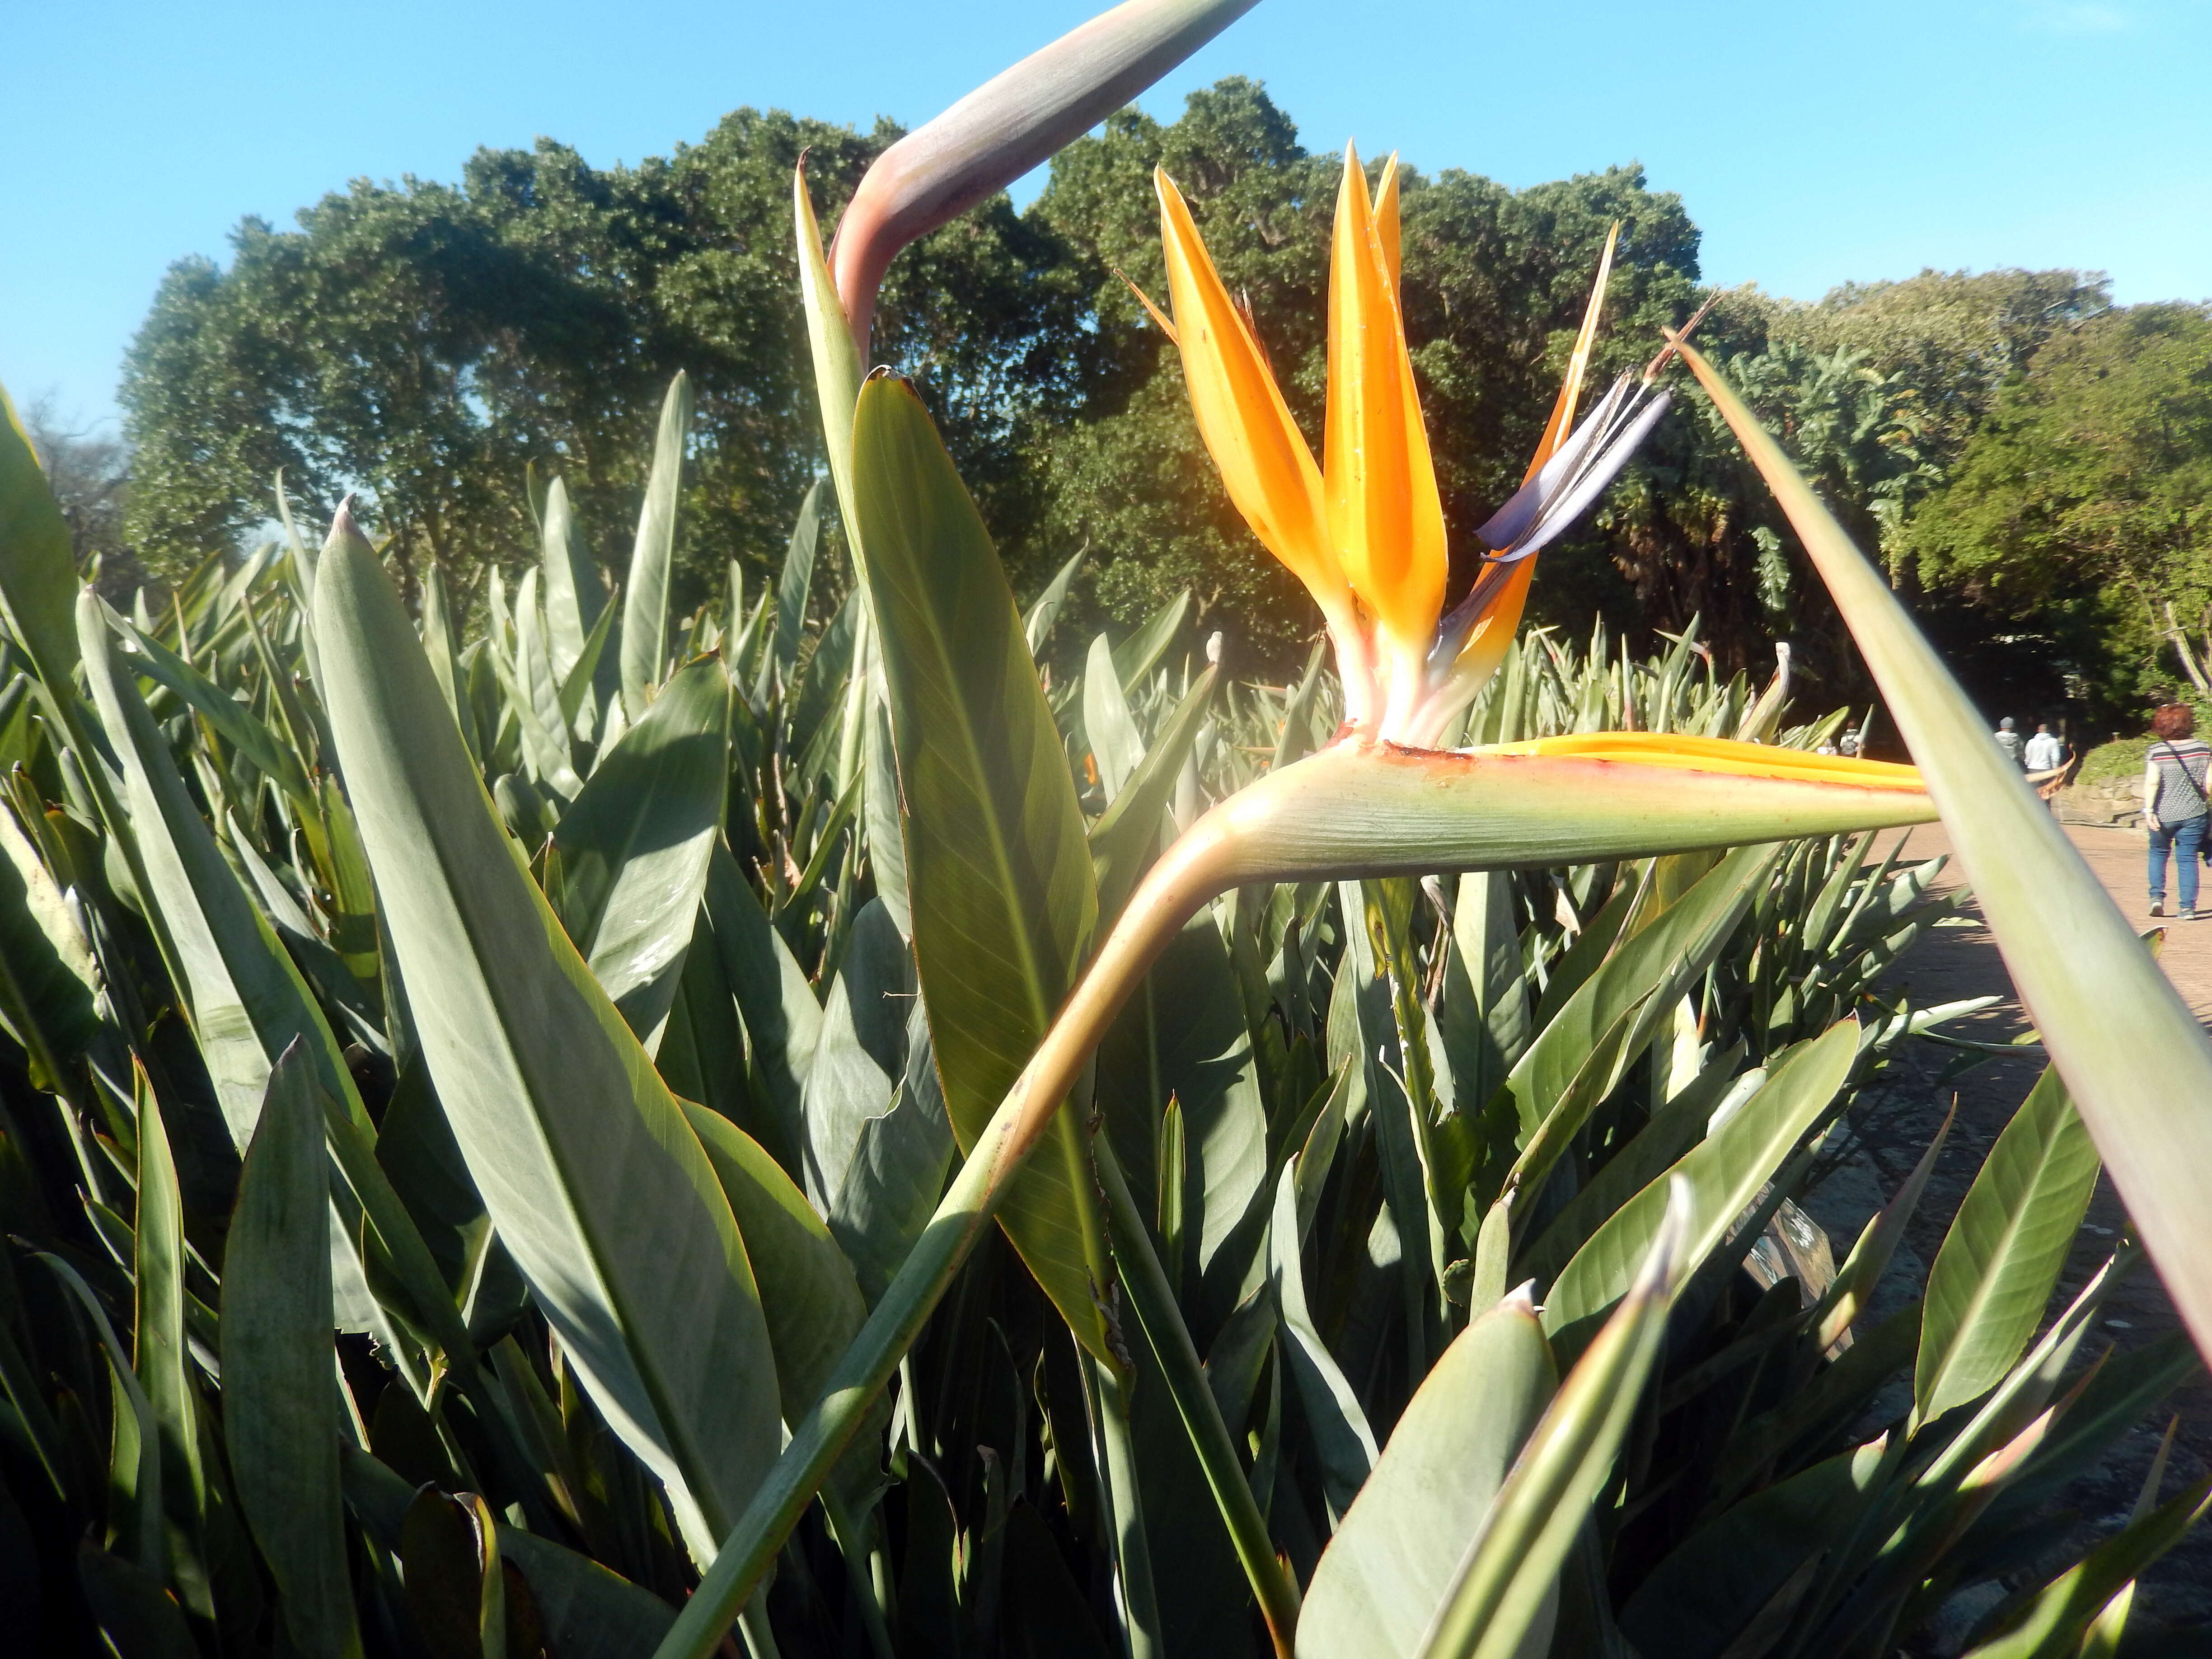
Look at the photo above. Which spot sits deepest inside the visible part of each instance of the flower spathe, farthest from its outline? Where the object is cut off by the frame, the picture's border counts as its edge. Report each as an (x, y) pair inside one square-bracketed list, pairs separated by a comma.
[(1364, 530)]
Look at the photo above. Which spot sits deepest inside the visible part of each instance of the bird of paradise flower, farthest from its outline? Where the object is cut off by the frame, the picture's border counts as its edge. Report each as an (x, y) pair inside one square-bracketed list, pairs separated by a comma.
[(1364, 529)]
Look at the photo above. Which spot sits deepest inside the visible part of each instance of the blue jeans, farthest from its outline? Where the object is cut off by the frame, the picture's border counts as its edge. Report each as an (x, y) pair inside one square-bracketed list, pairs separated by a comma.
[(2184, 838)]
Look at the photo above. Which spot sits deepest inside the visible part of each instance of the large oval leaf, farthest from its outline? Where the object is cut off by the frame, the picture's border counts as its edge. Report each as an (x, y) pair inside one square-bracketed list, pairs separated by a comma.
[(247, 1001), (997, 872), (653, 560), (1718, 1180), (596, 1183), (634, 845), (281, 1414), (2000, 1259), (1398, 1547)]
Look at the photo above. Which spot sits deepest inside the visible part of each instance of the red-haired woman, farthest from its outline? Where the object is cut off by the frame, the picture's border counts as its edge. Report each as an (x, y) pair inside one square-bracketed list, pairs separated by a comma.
[(2174, 805)]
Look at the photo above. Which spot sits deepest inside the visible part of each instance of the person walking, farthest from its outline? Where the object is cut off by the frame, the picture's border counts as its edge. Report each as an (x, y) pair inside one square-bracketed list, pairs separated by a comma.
[(2044, 753), (2174, 804), (2007, 739)]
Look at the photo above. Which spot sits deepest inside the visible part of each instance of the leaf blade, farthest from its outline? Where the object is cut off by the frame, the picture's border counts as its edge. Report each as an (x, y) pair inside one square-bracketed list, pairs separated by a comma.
[(583, 1159), (998, 878)]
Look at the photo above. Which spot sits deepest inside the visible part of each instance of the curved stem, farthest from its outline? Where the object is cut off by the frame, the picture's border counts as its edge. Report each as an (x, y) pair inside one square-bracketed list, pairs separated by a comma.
[(1153, 1300), (1357, 809), (1191, 870)]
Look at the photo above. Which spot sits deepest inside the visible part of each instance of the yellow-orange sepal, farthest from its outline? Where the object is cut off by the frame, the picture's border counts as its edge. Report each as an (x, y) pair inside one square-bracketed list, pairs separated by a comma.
[(1384, 511), (1719, 754), (1264, 462)]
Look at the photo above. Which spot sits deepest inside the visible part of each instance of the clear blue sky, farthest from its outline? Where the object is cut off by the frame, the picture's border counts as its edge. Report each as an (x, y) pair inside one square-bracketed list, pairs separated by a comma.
[(1812, 143)]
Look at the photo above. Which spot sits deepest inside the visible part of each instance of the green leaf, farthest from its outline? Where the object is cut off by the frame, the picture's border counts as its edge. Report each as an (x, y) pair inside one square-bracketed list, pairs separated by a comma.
[(37, 577), (2130, 1049), (1502, 1599), (837, 370), (135, 1615), (449, 1561), (634, 845), (880, 804), (1037, 620), (237, 723), (860, 1051), (651, 561), (1717, 1180), (1123, 841), (1342, 1435), (1396, 1551), (794, 584), (1137, 656), (1116, 744), (280, 1399), (783, 1020), (576, 596), (596, 1183), (42, 950), (247, 1000), (585, 1608), (535, 674), (811, 1301), (1838, 1392), (1579, 1057), (895, 1174), (1997, 1265), (545, 745), (1296, 740), (1044, 1613), (2055, 1620), (1704, 1595), (1483, 1015), (164, 1367), (1672, 1131), (998, 873), (134, 1473)]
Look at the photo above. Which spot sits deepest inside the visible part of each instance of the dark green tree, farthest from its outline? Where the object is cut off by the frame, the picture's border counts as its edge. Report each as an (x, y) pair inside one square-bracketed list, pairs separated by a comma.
[(1495, 281), (426, 343), (2079, 510)]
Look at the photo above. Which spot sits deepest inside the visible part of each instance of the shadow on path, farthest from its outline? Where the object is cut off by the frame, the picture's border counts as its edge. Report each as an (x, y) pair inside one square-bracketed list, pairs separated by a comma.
[(1899, 1115)]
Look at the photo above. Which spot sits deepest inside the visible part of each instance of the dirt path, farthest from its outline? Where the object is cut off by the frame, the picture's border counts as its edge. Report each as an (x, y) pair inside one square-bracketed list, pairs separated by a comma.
[(1899, 1118)]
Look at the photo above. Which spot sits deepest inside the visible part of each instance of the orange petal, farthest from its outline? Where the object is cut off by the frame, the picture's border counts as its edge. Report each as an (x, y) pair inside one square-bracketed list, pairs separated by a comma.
[(1263, 458), (1492, 637), (1563, 407), (1725, 754), (1384, 513), (1159, 319), (1386, 218)]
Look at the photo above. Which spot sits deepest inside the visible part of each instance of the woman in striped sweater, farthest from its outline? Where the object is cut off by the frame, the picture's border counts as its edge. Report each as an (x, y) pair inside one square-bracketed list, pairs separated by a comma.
[(2174, 803)]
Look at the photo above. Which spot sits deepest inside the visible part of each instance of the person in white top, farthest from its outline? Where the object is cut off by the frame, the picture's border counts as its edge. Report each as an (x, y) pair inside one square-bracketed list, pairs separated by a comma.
[(2046, 753)]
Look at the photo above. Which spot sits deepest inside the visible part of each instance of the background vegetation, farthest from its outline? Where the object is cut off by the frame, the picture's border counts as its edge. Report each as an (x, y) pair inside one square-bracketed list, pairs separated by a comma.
[(431, 344)]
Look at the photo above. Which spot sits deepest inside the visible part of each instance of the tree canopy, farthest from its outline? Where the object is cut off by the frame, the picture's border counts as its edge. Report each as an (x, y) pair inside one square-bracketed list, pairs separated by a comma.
[(2084, 497), (433, 346)]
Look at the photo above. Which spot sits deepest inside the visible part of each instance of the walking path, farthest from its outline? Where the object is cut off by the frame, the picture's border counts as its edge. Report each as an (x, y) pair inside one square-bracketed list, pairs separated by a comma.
[(2116, 858), (1899, 1115)]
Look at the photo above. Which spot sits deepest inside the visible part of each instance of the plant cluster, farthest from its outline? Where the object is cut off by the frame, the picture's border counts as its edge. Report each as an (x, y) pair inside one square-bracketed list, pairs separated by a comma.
[(1310, 1104), (635, 1126)]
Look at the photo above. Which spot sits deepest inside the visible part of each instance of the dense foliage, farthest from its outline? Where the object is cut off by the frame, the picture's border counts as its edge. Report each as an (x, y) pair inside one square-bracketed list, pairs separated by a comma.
[(2079, 508), (1308, 1127), (431, 344)]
